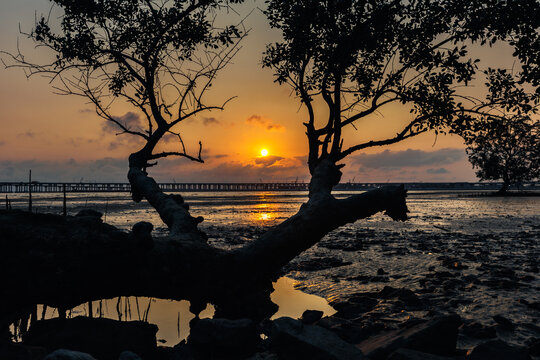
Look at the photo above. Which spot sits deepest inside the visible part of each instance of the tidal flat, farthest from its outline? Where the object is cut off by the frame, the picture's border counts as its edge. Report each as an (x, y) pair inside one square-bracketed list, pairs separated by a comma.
[(474, 256)]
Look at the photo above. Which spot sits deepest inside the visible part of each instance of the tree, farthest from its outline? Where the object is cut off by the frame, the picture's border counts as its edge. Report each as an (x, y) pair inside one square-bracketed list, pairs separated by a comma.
[(507, 150), (347, 60), (349, 53)]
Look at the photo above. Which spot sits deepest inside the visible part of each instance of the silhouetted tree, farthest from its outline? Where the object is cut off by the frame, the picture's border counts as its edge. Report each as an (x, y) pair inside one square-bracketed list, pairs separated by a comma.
[(160, 57), (347, 60), (506, 149), (357, 56)]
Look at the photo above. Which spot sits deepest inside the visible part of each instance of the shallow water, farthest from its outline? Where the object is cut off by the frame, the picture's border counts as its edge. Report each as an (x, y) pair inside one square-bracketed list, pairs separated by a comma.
[(492, 239)]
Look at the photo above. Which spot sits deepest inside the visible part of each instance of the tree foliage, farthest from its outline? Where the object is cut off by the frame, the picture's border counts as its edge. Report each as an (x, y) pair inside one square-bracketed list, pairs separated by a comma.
[(357, 56), (507, 150), (159, 56)]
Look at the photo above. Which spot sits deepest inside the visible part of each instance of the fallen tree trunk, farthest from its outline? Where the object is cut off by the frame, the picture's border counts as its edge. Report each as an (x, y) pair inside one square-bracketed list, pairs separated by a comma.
[(63, 262)]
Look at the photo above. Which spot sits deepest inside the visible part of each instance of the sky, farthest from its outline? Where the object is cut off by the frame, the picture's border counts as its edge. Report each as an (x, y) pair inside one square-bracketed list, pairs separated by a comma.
[(62, 139)]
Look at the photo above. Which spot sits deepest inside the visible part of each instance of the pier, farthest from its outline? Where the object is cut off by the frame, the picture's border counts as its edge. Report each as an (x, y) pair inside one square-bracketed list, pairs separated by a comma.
[(58, 187)]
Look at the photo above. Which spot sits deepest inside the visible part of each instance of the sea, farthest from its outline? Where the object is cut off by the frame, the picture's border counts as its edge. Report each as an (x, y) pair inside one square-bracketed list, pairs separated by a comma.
[(483, 250)]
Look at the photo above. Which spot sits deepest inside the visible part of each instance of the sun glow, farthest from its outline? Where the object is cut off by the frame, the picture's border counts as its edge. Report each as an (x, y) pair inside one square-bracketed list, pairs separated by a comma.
[(264, 152)]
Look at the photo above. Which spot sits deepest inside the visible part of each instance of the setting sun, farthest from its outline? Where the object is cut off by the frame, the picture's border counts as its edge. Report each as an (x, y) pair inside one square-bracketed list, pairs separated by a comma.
[(264, 152)]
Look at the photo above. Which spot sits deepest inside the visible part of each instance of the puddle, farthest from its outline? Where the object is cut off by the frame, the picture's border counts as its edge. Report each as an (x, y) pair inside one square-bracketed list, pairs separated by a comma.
[(173, 317)]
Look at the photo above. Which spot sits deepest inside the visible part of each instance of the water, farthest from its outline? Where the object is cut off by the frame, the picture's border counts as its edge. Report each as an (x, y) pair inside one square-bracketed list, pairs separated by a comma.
[(486, 237)]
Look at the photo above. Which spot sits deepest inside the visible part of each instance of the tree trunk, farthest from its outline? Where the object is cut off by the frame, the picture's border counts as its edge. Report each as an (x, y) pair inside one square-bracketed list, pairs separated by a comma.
[(66, 261), (502, 191)]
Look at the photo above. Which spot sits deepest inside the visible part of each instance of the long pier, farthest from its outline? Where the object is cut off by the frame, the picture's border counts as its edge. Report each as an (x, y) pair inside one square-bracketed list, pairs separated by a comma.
[(59, 187)]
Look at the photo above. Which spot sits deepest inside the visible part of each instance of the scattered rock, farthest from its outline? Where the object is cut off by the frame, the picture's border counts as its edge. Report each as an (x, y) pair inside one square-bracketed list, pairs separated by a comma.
[(437, 336), (89, 212), (291, 339), (63, 354), (408, 354), (381, 272), (534, 347), (263, 356), (354, 309), (223, 337), (479, 331), (504, 323), (317, 263), (100, 337), (13, 351), (497, 350), (311, 316), (128, 355)]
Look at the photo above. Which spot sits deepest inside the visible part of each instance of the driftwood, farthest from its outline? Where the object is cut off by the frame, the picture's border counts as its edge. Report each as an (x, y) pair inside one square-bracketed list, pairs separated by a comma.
[(66, 261)]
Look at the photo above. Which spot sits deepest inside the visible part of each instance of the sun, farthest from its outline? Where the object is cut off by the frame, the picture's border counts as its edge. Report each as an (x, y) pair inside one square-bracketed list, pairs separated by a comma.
[(264, 152)]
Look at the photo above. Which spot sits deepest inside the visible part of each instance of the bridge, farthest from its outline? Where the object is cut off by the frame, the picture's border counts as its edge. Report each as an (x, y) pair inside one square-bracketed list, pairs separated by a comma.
[(59, 187)]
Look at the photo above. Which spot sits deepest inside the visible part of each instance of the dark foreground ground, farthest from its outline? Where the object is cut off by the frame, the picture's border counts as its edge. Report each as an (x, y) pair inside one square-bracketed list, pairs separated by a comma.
[(459, 281)]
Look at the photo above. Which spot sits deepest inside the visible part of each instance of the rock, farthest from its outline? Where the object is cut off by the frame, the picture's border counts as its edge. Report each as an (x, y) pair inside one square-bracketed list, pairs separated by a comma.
[(128, 355), (497, 350), (408, 354), (89, 212), (263, 356), (224, 338), (63, 354), (381, 272), (479, 331), (317, 263), (291, 339), (352, 310), (504, 323), (534, 347), (13, 351), (437, 336), (142, 233), (311, 316), (409, 298), (102, 338)]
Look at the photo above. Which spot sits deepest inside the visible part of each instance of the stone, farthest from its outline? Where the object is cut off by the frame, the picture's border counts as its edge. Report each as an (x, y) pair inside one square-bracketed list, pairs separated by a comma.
[(504, 323), (89, 212), (15, 351), (311, 316), (479, 331), (102, 338), (63, 354), (291, 339), (224, 338), (437, 336), (408, 354), (497, 350), (128, 355), (352, 310)]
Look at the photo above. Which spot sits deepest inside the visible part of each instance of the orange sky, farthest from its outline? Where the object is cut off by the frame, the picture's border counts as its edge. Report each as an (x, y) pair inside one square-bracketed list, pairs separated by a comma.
[(62, 139)]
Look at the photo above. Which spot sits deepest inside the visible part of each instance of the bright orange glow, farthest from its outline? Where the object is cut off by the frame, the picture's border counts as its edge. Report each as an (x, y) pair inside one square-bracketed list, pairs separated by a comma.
[(264, 152)]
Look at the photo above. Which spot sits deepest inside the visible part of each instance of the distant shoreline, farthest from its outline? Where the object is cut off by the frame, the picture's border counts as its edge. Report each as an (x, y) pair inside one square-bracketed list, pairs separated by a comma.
[(73, 187)]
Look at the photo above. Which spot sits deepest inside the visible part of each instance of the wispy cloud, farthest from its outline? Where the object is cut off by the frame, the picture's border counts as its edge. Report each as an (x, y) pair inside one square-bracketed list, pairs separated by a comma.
[(258, 120), (438, 171), (207, 121), (408, 158), (130, 120)]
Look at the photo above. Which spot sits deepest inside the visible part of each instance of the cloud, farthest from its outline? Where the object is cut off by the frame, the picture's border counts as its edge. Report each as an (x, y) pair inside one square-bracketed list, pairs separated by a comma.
[(105, 170), (2, 143), (210, 121), (86, 111), (268, 160), (408, 158), (130, 120), (437, 171), (257, 120), (28, 134)]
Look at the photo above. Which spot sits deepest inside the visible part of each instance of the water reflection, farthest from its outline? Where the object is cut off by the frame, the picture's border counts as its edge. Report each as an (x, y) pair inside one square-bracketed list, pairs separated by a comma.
[(173, 317)]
